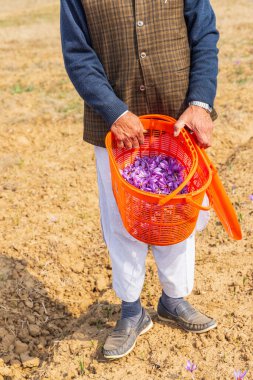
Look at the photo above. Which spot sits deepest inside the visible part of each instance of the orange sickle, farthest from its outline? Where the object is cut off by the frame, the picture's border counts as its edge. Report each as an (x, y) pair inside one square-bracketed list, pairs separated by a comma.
[(220, 200)]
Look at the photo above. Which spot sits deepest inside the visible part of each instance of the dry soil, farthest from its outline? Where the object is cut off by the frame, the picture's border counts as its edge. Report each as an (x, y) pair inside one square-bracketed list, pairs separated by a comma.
[(56, 301)]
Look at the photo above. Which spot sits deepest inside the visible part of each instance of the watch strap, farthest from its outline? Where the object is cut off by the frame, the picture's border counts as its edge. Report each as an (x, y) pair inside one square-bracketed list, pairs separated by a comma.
[(206, 106)]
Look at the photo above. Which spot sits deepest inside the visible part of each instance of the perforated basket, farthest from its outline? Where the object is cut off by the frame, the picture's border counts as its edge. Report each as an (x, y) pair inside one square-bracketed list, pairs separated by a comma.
[(154, 218)]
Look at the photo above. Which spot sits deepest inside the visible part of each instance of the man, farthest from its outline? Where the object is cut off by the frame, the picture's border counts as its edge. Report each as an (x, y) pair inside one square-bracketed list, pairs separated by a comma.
[(128, 58)]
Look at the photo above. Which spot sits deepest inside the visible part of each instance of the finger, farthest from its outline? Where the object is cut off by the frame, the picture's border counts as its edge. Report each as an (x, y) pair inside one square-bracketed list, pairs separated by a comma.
[(120, 144), (178, 126), (140, 135), (140, 139), (127, 143), (202, 140), (135, 142), (139, 127)]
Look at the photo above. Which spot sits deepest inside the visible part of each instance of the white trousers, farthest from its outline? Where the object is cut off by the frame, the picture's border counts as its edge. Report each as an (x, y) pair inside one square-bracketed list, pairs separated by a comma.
[(175, 263)]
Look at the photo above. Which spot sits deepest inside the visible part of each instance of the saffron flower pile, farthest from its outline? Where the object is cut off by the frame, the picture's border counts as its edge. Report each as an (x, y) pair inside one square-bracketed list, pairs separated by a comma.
[(157, 174)]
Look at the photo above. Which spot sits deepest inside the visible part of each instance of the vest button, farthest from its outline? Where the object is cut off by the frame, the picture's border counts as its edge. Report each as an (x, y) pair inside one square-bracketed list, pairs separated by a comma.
[(142, 87), (140, 23), (143, 55)]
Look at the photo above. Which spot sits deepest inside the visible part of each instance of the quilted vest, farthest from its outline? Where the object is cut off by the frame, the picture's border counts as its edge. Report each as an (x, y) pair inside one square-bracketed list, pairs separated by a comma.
[(143, 47)]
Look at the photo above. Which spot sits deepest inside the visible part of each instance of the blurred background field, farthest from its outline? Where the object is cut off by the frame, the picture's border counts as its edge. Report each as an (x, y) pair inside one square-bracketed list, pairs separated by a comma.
[(56, 302)]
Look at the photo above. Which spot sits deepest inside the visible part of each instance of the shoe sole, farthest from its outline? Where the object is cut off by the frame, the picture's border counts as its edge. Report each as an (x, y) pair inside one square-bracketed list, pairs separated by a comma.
[(172, 322), (150, 325)]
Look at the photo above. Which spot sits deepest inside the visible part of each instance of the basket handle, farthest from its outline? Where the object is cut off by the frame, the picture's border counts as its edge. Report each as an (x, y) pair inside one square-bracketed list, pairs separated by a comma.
[(166, 199), (158, 117), (195, 204)]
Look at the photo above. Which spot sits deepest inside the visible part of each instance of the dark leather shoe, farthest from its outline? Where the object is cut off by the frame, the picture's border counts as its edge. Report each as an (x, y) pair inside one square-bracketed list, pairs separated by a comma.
[(122, 339), (186, 317)]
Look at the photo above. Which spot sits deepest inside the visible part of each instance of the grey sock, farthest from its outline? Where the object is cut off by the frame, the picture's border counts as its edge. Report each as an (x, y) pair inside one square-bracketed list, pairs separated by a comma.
[(170, 303), (132, 311)]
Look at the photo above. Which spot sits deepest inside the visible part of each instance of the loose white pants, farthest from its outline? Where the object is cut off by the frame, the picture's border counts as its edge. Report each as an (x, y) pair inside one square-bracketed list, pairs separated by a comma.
[(175, 263)]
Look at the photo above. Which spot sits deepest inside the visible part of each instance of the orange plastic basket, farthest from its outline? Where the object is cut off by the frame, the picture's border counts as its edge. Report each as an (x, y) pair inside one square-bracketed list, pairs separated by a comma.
[(154, 218)]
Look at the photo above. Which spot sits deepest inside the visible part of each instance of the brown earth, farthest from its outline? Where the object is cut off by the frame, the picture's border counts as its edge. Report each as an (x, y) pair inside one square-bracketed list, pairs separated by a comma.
[(56, 302)]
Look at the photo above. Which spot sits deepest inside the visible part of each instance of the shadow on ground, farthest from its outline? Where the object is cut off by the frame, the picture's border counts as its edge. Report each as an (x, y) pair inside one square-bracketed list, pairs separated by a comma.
[(32, 324)]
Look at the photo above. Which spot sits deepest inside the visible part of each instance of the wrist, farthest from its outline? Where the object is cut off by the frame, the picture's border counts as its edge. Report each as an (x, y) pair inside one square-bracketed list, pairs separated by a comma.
[(120, 116)]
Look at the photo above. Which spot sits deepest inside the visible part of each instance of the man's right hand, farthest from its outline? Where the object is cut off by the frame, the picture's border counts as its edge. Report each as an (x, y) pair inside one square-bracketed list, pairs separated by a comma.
[(128, 131)]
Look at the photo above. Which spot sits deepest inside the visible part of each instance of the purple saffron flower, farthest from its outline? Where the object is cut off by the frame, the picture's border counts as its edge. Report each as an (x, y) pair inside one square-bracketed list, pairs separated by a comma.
[(191, 367), (251, 197), (240, 375), (157, 174), (164, 164)]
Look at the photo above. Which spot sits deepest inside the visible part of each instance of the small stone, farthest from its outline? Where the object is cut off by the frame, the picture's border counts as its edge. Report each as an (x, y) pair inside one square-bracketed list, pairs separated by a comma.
[(52, 327), (9, 160), (45, 332), (7, 358), (31, 319), (77, 266), (19, 266), (8, 340), (101, 284), (20, 347), (22, 140), (197, 344), (34, 330), (220, 337), (28, 361), (29, 304), (42, 342), (29, 283), (9, 186), (24, 335), (78, 336), (15, 363), (3, 332), (6, 372), (204, 342)]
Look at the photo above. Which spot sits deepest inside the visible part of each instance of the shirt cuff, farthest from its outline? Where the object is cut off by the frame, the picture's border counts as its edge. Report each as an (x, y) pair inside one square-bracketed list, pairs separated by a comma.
[(120, 116), (112, 108), (201, 94)]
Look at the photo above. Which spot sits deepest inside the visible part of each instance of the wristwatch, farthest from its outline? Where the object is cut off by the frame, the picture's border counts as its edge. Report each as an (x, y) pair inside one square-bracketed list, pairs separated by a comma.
[(202, 105)]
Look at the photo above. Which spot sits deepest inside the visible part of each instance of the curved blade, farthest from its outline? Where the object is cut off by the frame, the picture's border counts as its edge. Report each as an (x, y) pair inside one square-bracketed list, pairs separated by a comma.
[(223, 207), (221, 202)]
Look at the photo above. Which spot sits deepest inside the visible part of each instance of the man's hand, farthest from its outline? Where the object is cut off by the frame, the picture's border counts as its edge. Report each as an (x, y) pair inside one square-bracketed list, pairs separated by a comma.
[(128, 131), (199, 121)]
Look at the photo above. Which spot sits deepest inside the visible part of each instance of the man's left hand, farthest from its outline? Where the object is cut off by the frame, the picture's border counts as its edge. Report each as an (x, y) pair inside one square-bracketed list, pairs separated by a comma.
[(199, 121)]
